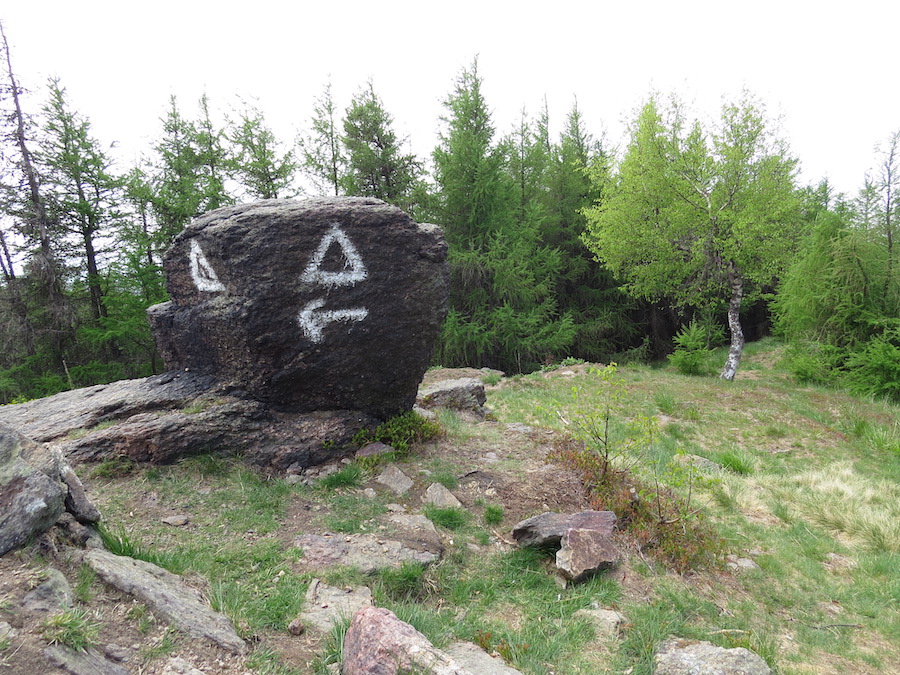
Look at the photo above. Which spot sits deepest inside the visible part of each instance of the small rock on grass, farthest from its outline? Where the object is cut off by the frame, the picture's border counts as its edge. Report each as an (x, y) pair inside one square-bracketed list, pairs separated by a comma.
[(395, 480), (440, 496), (82, 663), (677, 656)]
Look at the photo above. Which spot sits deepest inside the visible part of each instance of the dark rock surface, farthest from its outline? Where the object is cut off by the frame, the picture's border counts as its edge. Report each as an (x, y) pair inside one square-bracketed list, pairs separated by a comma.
[(548, 529), (323, 304)]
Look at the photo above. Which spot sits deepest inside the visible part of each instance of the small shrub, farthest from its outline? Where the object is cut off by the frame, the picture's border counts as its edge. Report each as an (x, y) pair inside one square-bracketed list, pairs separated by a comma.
[(403, 584), (875, 369), (691, 350), (400, 432), (115, 467), (72, 628), (735, 461)]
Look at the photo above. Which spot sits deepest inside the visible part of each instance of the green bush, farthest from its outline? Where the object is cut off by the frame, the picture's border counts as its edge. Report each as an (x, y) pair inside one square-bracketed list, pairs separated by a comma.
[(400, 432), (691, 349), (875, 369)]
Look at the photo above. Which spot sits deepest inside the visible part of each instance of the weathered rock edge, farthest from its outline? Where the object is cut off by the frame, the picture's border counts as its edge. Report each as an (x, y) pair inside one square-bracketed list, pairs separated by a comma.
[(168, 596)]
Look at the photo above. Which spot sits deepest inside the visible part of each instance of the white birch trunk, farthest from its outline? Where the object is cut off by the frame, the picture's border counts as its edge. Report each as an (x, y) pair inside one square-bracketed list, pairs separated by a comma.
[(734, 324)]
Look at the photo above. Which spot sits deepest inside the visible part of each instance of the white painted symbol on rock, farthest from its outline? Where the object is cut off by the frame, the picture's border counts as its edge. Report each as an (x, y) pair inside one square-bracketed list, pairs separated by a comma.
[(313, 322), (203, 274), (355, 271)]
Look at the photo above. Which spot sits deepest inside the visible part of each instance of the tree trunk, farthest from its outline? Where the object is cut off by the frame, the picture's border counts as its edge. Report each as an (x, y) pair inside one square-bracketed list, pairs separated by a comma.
[(734, 323)]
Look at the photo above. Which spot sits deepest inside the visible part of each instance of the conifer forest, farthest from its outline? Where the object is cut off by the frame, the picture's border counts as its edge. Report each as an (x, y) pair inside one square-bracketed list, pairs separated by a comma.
[(693, 235)]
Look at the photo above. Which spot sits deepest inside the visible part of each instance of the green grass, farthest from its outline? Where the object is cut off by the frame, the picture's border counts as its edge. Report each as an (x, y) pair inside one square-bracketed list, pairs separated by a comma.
[(73, 628), (808, 489)]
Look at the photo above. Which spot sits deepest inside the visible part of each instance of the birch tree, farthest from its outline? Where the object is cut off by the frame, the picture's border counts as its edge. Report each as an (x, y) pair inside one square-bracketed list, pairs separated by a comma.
[(701, 218)]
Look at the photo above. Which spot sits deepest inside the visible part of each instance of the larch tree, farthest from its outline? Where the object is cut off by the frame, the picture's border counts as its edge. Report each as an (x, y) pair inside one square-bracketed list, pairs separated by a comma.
[(376, 164), (321, 151), (699, 218), (257, 160)]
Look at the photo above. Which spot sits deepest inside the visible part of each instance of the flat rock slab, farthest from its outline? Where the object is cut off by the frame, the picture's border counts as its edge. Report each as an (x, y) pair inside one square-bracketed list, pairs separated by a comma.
[(327, 605), (413, 539), (676, 656), (438, 495), (53, 595), (394, 480), (318, 304), (167, 596), (607, 622), (82, 663), (475, 660)]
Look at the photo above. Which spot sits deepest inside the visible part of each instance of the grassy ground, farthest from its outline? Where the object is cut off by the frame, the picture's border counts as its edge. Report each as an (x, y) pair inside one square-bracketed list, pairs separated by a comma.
[(809, 489)]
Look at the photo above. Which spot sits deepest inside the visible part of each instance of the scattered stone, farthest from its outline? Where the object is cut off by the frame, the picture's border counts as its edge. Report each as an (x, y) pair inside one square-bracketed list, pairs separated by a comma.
[(53, 595), (179, 520), (438, 495), (738, 563), (179, 666), (267, 295), (548, 528), (677, 656), (7, 632), (88, 662), (413, 539), (585, 552), (606, 622), (378, 643), (698, 462), (369, 493), (836, 561), (167, 596), (519, 427), (326, 605), (465, 394), (376, 449), (475, 660), (395, 508), (117, 652), (296, 627), (395, 480), (429, 415), (77, 502)]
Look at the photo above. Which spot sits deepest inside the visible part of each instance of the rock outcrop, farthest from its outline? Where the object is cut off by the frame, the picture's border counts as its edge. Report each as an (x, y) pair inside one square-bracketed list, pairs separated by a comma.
[(323, 304), (676, 656), (36, 487)]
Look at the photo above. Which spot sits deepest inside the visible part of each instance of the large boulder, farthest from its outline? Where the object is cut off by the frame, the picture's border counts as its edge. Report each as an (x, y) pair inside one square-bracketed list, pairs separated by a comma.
[(323, 304)]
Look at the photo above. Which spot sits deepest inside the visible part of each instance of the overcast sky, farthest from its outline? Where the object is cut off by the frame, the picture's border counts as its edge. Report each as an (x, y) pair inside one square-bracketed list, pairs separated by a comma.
[(827, 69)]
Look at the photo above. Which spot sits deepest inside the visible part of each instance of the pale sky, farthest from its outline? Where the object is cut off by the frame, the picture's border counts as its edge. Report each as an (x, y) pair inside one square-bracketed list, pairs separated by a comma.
[(827, 69)]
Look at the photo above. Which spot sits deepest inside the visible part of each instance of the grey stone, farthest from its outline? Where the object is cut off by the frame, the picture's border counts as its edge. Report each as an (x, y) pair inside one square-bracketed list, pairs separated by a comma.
[(698, 462), (585, 552), (395, 480), (117, 652), (739, 563), (378, 643), (466, 393), (179, 520), (88, 662), (320, 304), (376, 449), (413, 539), (606, 622), (167, 596), (548, 528), (677, 656), (77, 502), (32, 500), (326, 605), (179, 666), (438, 495), (475, 660), (7, 632), (53, 595)]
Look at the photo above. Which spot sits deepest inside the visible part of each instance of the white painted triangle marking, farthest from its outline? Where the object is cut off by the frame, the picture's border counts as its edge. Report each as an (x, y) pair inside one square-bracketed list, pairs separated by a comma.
[(203, 274), (355, 272)]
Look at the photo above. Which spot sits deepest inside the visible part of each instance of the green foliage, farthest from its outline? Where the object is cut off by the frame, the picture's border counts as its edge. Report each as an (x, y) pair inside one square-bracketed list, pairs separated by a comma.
[(400, 432), (691, 350), (73, 628), (875, 368), (121, 543), (256, 158)]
